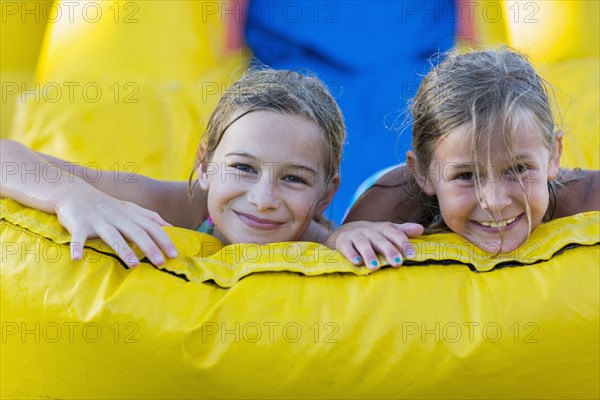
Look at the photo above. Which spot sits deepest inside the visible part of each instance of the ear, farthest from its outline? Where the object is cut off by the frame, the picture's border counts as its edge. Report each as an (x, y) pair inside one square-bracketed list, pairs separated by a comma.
[(330, 191), (555, 157), (202, 168), (419, 175)]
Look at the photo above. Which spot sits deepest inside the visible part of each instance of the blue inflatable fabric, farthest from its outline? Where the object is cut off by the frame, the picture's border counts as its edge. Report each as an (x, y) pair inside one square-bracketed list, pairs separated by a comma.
[(372, 54)]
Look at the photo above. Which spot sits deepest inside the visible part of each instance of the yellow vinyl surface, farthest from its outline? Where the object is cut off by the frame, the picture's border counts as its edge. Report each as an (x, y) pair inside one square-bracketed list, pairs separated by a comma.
[(295, 320)]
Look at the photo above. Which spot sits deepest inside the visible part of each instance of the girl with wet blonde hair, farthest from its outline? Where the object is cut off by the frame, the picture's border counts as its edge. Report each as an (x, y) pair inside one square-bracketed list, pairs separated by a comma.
[(485, 162)]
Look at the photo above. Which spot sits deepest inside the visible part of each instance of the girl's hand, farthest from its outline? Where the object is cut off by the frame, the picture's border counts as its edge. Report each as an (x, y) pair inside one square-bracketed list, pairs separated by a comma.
[(360, 241), (87, 213)]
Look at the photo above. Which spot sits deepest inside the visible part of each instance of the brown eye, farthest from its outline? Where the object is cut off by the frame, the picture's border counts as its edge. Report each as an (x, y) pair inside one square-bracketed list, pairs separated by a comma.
[(518, 169), (521, 168), (465, 176)]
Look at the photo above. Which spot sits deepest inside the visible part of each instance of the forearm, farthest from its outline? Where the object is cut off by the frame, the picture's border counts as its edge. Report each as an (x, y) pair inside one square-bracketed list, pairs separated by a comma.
[(40, 181), (33, 180), (127, 186)]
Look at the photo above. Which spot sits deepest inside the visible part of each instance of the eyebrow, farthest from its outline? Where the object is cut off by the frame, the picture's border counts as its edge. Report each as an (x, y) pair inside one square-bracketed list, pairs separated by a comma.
[(521, 156), (234, 153), (304, 168), (287, 165), (463, 165), (518, 157)]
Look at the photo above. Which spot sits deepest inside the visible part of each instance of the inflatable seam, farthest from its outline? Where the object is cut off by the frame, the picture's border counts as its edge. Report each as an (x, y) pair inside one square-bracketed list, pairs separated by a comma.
[(26, 231), (226, 267), (22, 217)]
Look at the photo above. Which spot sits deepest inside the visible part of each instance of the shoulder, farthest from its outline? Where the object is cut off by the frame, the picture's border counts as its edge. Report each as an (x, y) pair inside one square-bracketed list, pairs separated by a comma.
[(382, 200), (579, 193)]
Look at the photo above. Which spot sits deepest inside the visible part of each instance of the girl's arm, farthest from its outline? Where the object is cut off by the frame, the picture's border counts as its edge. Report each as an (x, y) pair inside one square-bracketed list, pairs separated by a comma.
[(387, 200), (579, 195), (103, 208), (170, 199)]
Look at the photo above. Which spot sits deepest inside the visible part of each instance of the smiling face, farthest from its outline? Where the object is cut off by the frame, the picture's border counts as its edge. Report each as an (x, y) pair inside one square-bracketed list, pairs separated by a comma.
[(511, 198), (266, 178)]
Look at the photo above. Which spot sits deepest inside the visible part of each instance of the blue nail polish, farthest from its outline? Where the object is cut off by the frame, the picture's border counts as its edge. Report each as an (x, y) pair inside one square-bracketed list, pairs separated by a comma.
[(357, 259), (397, 259), (374, 263)]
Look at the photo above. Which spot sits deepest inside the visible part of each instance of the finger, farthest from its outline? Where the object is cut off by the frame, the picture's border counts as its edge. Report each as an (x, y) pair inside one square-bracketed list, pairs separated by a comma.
[(113, 238), (76, 246), (401, 239), (411, 229), (345, 246), (154, 216), (160, 237), (389, 249), (139, 236), (364, 247)]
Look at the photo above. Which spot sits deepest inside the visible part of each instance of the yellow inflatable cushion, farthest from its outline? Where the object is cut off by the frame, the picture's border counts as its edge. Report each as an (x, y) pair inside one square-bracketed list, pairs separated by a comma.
[(548, 31), (302, 323), (125, 86), (18, 57)]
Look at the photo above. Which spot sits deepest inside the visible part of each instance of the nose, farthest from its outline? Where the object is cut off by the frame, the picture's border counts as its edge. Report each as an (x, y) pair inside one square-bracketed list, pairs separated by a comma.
[(494, 196), (263, 194)]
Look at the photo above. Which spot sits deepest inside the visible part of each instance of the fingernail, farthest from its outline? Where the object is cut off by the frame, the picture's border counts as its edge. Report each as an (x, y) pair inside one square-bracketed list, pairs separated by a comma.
[(374, 263), (398, 260), (159, 260), (410, 253), (131, 260), (172, 253), (357, 260)]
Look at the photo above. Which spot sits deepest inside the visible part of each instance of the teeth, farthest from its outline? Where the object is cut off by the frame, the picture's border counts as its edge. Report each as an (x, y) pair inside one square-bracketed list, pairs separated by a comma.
[(500, 224)]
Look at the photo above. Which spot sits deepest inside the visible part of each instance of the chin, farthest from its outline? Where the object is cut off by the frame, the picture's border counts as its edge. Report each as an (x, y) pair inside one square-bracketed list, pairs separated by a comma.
[(498, 247), (256, 239)]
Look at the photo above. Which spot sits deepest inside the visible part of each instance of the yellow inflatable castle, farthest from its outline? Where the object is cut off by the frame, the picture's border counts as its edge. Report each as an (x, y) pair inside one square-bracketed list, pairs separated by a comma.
[(285, 320)]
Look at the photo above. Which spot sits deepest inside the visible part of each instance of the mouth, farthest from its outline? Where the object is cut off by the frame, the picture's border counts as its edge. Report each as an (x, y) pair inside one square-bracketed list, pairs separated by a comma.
[(258, 223), (500, 224)]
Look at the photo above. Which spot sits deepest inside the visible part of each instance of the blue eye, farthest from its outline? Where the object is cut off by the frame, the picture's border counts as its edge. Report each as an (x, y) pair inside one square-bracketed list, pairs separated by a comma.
[(293, 179), (244, 168)]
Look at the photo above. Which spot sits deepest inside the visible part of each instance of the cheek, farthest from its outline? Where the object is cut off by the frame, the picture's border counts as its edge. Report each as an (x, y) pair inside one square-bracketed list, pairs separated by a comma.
[(450, 198), (452, 214), (539, 199), (220, 195), (303, 205), (455, 206), (227, 188)]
